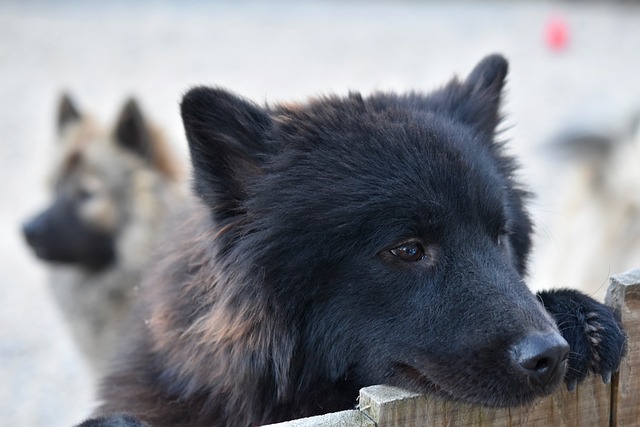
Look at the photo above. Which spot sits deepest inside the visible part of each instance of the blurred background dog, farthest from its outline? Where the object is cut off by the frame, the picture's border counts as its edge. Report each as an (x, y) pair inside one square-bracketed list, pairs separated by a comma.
[(112, 190), (595, 231)]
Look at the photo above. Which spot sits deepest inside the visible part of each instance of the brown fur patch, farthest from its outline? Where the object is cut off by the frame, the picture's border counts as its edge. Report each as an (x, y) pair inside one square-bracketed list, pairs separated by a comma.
[(164, 159)]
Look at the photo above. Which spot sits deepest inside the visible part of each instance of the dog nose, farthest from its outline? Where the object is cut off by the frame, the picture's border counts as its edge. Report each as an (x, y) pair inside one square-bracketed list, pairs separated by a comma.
[(34, 229), (540, 357), (30, 230)]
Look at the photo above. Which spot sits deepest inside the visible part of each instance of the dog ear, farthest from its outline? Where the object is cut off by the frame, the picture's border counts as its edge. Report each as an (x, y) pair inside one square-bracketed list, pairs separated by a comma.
[(488, 77), (131, 130), (485, 84), (67, 112), (225, 135), (475, 101)]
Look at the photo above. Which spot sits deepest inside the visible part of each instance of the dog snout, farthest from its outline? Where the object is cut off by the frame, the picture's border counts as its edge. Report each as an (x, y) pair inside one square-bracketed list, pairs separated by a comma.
[(540, 357)]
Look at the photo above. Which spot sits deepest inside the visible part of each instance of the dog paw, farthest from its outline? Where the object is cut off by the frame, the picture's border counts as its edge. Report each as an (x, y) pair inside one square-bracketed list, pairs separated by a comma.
[(595, 335)]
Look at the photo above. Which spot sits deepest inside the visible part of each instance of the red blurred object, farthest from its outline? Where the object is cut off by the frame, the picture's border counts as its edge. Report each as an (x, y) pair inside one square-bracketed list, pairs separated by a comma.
[(557, 33)]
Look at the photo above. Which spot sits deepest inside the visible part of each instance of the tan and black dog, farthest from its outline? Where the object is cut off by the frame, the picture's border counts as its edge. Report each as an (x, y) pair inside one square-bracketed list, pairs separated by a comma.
[(112, 191)]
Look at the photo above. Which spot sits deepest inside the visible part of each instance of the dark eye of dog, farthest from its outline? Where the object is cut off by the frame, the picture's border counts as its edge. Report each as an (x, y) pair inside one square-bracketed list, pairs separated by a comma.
[(409, 252), (84, 194)]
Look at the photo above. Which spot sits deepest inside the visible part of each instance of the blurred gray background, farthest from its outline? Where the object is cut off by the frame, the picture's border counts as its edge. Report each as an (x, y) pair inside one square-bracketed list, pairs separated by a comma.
[(102, 52)]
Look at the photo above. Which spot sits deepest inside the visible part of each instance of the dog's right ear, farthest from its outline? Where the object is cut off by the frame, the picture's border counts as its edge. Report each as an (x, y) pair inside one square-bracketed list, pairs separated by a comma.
[(226, 142), (67, 112), (131, 130)]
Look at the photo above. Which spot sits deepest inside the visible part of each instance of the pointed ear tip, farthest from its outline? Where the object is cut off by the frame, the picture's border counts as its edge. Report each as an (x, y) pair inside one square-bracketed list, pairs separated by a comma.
[(496, 59), (199, 102), (498, 64), (67, 110), (491, 69), (490, 73), (200, 96), (218, 110), (65, 101), (192, 101), (131, 104), (197, 91)]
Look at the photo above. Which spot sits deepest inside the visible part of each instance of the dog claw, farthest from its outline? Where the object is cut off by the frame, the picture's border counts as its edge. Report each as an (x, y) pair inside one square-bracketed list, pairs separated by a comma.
[(571, 385), (606, 377)]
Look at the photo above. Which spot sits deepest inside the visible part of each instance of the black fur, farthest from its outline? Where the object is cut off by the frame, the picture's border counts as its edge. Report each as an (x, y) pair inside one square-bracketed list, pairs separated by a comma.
[(343, 243)]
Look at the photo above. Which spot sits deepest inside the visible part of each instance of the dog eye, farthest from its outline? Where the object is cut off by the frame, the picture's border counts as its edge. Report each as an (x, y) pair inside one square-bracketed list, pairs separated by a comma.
[(409, 252), (84, 194)]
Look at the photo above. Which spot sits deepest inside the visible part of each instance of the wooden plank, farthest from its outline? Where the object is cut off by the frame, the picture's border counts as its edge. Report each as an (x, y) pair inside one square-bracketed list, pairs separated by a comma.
[(388, 406), (624, 295), (336, 419)]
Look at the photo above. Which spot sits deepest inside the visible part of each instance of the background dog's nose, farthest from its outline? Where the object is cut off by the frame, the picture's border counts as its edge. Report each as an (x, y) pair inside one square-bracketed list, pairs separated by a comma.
[(540, 357), (31, 229)]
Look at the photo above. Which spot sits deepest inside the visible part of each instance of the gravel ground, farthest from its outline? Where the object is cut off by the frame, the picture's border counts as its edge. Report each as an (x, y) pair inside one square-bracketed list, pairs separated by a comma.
[(278, 51)]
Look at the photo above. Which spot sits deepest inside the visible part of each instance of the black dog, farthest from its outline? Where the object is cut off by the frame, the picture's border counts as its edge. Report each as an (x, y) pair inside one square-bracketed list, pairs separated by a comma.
[(343, 243)]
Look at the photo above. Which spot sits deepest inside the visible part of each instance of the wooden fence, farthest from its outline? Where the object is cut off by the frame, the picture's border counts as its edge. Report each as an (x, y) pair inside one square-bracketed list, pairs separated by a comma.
[(592, 403)]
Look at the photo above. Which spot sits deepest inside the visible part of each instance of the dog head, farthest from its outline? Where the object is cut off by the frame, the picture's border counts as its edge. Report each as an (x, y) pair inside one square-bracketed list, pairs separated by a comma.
[(382, 239), (93, 177)]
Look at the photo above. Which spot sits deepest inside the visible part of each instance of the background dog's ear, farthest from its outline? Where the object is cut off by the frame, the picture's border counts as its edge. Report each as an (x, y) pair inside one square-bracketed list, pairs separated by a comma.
[(225, 135), (67, 112), (131, 130)]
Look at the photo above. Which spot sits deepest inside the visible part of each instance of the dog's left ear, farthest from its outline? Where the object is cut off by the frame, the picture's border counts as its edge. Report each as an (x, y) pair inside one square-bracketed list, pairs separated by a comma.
[(488, 77), (131, 130), (483, 92), (67, 112), (476, 100)]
